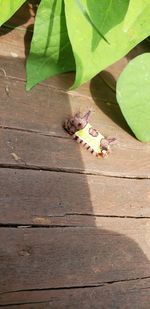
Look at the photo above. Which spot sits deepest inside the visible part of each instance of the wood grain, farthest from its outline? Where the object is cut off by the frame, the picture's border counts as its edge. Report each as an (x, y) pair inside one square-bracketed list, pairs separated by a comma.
[(74, 230), (123, 295), (72, 257), (25, 16), (63, 154), (46, 114), (51, 105), (17, 32), (51, 100), (51, 198), (12, 43)]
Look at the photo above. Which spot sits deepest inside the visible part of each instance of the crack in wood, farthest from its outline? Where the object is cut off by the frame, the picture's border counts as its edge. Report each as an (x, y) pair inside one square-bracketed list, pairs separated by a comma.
[(96, 285), (70, 215), (56, 135), (52, 135), (34, 226), (32, 167), (57, 89), (25, 303), (99, 216)]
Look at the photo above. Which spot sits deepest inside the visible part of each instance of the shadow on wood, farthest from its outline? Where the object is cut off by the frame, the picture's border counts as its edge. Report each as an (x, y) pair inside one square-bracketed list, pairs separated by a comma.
[(72, 268), (54, 250), (105, 99), (68, 239)]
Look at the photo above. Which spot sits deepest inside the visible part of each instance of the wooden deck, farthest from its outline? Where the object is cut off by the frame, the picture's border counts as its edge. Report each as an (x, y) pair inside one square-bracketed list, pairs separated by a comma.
[(74, 230)]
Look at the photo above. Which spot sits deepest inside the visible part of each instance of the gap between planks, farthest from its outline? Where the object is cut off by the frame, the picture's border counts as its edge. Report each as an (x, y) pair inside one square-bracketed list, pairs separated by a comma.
[(26, 166), (102, 284), (33, 131), (52, 296), (18, 225), (73, 93)]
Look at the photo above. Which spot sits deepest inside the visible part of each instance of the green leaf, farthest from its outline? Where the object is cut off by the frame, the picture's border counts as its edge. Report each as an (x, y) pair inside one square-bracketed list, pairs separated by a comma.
[(8, 8), (83, 10), (133, 95), (51, 51), (123, 23)]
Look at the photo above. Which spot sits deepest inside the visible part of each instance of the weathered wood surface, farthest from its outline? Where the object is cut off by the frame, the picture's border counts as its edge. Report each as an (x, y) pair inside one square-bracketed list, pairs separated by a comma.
[(38, 151), (44, 109), (55, 103), (70, 236), (124, 295), (50, 198), (16, 33), (47, 258), (25, 16)]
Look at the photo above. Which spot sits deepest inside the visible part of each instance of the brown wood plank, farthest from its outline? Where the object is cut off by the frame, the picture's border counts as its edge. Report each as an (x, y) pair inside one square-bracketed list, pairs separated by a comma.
[(50, 198), (90, 261), (15, 45), (42, 109), (123, 295), (12, 43), (51, 105), (51, 99), (45, 152), (15, 69), (47, 112), (73, 257), (24, 17), (15, 42)]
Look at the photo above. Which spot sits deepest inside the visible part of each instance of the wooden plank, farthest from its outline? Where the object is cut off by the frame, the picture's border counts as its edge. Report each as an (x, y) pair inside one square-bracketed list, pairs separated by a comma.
[(15, 68), (74, 257), (97, 250), (123, 295), (45, 152), (24, 16), (50, 198), (24, 20), (47, 113), (107, 117), (48, 108), (23, 39), (14, 43), (110, 75), (51, 105)]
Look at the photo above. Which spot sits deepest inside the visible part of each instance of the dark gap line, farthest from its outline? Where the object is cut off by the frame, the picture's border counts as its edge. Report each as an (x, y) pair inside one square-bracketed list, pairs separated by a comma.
[(96, 285), (15, 27), (59, 90), (33, 131), (32, 225), (99, 216), (26, 303), (35, 226), (48, 134), (72, 171)]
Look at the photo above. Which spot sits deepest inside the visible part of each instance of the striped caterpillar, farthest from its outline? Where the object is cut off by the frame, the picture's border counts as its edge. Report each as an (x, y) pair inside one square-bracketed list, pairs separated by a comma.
[(86, 135)]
